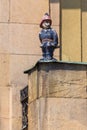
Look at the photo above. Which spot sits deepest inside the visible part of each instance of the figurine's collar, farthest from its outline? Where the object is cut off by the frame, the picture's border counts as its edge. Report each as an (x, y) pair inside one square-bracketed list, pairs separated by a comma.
[(46, 29)]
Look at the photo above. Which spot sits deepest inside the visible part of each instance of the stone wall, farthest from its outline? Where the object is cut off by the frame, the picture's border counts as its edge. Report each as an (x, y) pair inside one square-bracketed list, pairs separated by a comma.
[(57, 96), (19, 50)]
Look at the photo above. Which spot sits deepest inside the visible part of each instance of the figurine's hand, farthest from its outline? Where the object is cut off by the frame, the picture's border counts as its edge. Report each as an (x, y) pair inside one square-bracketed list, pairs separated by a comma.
[(52, 44), (41, 45), (48, 44)]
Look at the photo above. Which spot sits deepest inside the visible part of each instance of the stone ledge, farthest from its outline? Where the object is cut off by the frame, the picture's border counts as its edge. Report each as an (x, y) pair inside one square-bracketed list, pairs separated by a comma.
[(57, 79)]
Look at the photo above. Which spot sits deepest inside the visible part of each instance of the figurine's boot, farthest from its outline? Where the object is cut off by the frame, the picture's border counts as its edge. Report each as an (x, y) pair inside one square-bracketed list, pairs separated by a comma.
[(44, 53), (51, 51), (48, 55), (44, 56)]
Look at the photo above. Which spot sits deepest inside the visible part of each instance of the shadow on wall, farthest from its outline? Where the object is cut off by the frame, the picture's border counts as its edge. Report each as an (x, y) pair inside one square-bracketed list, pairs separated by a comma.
[(84, 5), (54, 1), (67, 4), (75, 4)]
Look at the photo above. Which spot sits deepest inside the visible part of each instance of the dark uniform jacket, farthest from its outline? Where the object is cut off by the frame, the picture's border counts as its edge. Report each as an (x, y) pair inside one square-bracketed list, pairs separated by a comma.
[(48, 37)]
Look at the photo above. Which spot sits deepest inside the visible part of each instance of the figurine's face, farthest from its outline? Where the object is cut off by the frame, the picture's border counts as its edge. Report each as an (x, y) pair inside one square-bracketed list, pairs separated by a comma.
[(46, 24)]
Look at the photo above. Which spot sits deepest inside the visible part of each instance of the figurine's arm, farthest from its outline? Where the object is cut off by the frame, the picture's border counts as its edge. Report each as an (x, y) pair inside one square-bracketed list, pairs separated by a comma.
[(55, 37), (40, 37)]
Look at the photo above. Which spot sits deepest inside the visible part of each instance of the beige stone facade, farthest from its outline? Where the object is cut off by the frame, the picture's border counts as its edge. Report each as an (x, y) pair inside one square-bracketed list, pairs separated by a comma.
[(19, 46), (19, 50)]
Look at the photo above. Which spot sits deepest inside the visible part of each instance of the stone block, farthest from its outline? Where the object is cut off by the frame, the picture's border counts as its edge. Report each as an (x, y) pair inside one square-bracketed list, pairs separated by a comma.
[(16, 124), (24, 39), (4, 38), (4, 69), (68, 84), (27, 11), (4, 102), (58, 79), (33, 115), (60, 103), (58, 114), (61, 80), (55, 11), (33, 86), (4, 124), (4, 10), (18, 64), (16, 102)]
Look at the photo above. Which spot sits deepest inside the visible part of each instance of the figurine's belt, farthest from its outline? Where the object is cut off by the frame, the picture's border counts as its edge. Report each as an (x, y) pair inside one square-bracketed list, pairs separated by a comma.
[(47, 40)]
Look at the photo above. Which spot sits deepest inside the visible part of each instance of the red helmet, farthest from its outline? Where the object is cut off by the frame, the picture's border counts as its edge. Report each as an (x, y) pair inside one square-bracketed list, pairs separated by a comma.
[(44, 18)]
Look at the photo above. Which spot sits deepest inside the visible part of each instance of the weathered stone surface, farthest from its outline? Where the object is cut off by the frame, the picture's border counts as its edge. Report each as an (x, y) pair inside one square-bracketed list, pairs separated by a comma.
[(33, 86), (4, 124), (4, 38), (16, 104), (4, 69), (58, 114), (58, 80), (27, 11), (4, 102), (24, 39), (60, 96), (68, 83), (33, 115), (16, 124), (18, 64), (4, 10)]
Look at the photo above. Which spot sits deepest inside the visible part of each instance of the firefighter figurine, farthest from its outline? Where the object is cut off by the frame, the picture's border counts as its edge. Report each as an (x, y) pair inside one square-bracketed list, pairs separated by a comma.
[(48, 38)]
